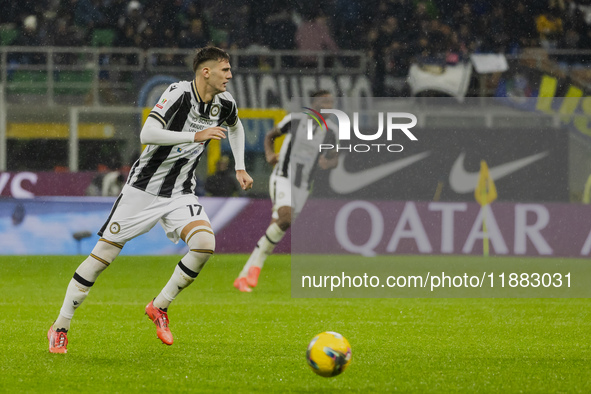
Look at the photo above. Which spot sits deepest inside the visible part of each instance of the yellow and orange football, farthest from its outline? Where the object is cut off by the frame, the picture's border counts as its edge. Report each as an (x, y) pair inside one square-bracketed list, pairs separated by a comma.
[(329, 354)]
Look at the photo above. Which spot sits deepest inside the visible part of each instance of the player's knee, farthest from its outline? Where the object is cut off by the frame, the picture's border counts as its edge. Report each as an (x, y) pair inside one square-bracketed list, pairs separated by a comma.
[(99, 259), (201, 240), (105, 252), (284, 224), (284, 219)]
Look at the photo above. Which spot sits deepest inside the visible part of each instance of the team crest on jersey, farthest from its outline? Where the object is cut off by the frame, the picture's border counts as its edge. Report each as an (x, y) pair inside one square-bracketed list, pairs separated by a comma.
[(215, 109), (114, 228)]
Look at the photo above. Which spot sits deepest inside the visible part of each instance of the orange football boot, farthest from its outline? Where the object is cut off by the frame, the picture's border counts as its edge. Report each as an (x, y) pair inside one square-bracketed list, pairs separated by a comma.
[(252, 279), (160, 319), (58, 340), (240, 284)]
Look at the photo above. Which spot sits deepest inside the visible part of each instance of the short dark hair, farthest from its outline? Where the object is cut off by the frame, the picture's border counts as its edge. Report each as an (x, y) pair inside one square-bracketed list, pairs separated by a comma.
[(208, 53), (319, 93)]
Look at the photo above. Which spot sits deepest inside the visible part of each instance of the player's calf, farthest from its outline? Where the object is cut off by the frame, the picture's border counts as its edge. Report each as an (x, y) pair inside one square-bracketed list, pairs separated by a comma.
[(201, 242), (283, 219), (265, 246), (86, 274)]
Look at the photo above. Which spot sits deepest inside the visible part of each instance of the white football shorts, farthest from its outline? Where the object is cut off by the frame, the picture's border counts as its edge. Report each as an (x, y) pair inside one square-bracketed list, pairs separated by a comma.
[(135, 212), (283, 194)]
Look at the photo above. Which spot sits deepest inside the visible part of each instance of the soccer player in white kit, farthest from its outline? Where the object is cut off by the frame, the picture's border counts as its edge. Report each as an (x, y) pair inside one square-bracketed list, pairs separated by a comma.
[(160, 188), (291, 179)]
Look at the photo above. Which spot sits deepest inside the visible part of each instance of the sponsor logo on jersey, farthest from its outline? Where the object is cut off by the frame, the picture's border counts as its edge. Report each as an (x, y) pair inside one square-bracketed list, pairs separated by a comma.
[(201, 124)]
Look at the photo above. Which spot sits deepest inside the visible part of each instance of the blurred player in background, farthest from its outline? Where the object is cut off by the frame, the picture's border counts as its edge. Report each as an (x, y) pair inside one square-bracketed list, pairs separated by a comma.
[(160, 188), (290, 181)]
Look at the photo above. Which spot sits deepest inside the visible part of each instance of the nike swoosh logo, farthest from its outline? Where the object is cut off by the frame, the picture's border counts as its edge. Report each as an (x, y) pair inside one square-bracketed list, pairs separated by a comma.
[(344, 182), (462, 181)]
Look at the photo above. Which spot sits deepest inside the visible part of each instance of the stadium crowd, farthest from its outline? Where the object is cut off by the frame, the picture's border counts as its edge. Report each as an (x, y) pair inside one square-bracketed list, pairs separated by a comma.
[(392, 31)]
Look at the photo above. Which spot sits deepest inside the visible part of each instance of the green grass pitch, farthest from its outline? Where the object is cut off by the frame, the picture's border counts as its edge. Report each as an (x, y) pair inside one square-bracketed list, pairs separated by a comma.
[(227, 341)]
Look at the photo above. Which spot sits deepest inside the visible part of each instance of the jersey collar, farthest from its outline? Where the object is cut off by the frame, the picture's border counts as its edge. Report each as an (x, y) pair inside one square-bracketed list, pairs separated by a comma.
[(195, 92), (198, 97)]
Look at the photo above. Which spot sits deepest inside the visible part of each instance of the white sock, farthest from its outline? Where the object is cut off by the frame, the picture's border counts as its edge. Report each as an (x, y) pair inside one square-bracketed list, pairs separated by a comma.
[(184, 274), (78, 288), (264, 248)]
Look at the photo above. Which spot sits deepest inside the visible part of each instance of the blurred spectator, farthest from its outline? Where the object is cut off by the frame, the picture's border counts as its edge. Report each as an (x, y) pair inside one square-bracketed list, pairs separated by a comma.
[(106, 183), (131, 25), (65, 36), (347, 14), (389, 52), (578, 21), (112, 183), (16, 11), (28, 37), (477, 25), (112, 11), (497, 38), (549, 27), (521, 28), (395, 31), (313, 34), (222, 183), (465, 17), (279, 29), (110, 178), (465, 40), (89, 14), (239, 35), (196, 36), (148, 39)]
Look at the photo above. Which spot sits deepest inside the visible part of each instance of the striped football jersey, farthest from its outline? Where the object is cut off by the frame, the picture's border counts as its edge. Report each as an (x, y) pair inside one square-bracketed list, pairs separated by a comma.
[(298, 157), (167, 171)]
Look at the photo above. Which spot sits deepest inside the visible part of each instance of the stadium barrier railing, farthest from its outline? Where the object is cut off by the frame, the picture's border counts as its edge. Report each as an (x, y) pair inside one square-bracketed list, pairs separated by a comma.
[(57, 72), (264, 60), (3, 150)]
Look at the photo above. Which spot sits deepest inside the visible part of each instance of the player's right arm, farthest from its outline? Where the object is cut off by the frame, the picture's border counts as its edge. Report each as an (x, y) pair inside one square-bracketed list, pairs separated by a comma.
[(155, 130), (154, 134), (330, 159), (270, 154), (281, 128)]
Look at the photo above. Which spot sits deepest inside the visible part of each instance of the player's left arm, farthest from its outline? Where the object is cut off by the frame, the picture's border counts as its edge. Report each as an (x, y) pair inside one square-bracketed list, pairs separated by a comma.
[(236, 138)]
